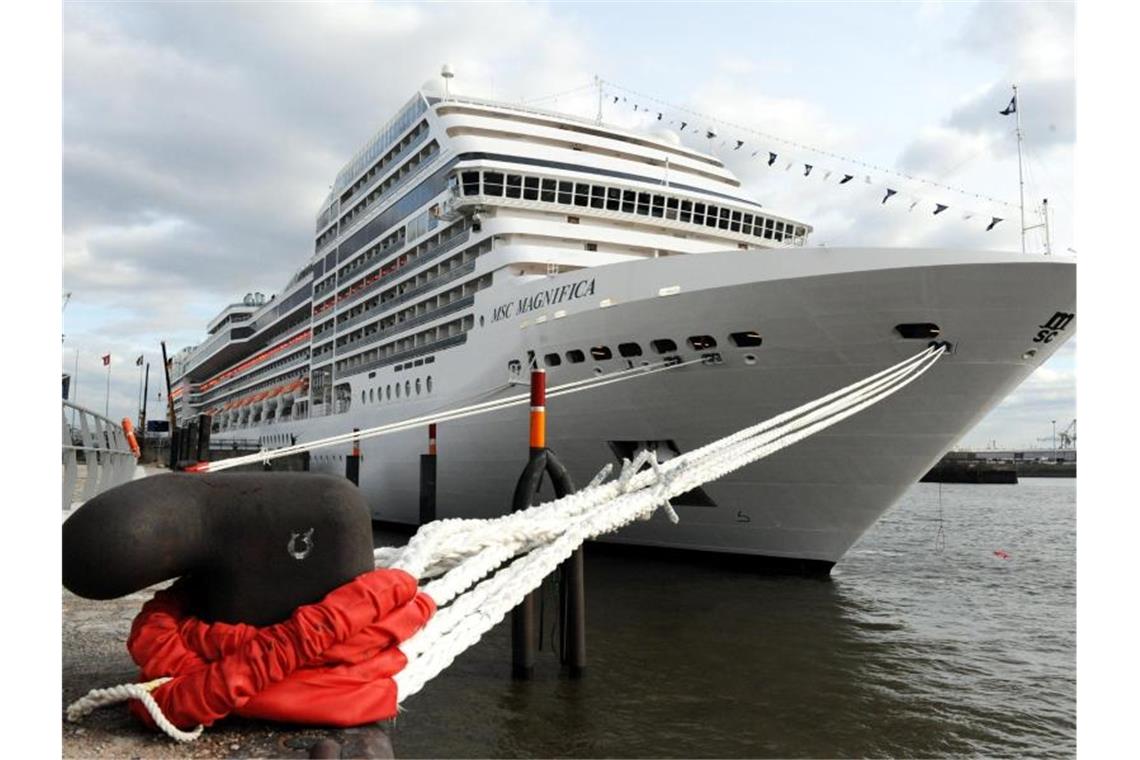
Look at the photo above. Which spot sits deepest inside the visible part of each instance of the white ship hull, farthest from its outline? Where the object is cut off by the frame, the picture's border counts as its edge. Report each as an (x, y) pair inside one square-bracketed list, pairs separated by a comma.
[(827, 317)]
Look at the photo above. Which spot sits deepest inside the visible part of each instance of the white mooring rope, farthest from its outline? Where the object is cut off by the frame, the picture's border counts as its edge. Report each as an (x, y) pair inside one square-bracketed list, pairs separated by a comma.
[(482, 569)]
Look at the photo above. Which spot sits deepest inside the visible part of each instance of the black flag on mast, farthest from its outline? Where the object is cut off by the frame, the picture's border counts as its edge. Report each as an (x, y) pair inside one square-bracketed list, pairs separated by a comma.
[(1011, 108), (771, 158), (939, 208), (846, 178), (890, 192), (996, 219)]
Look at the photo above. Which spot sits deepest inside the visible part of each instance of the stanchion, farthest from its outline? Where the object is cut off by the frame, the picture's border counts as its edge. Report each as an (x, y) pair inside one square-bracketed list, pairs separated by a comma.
[(427, 479), (352, 461), (524, 622)]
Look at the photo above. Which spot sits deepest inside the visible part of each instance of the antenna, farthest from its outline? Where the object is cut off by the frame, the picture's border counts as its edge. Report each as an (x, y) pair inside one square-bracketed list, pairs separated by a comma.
[(447, 73)]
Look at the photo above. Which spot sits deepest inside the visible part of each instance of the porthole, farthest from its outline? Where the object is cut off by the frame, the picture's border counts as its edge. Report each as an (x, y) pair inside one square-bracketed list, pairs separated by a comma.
[(663, 346), (702, 342), (746, 339), (418, 386), (371, 396), (362, 396), (629, 349), (397, 390), (388, 392), (575, 356), (407, 387), (918, 330), (429, 384), (552, 360), (601, 353)]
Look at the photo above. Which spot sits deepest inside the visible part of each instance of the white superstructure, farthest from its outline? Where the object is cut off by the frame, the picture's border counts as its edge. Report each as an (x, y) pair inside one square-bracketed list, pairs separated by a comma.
[(468, 239)]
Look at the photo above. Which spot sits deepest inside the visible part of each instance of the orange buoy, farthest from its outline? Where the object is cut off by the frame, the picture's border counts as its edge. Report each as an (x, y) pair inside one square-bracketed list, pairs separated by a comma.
[(129, 431)]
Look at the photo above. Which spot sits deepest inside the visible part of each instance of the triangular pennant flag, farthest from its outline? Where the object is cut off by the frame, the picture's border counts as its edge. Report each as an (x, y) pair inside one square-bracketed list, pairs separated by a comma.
[(615, 98), (771, 158), (658, 116), (635, 106), (1011, 108), (807, 169), (939, 208), (683, 125), (996, 219), (710, 133), (890, 192), (846, 178), (739, 143)]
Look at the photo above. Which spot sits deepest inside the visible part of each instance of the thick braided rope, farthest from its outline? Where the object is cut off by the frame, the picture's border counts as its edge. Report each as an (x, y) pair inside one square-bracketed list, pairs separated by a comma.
[(96, 698), (441, 545), (457, 627)]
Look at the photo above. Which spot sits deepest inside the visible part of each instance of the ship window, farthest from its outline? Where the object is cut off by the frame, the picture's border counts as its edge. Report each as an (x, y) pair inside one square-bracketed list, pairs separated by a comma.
[(702, 342), (575, 356), (643, 204), (566, 192), (711, 216), (553, 360), (470, 183), (746, 227), (548, 190), (746, 339), (418, 386), (663, 345), (686, 211), (514, 186), (598, 197), (613, 199), (601, 353), (658, 206), (530, 188), (407, 387), (918, 330), (724, 214), (581, 195), (628, 201), (591, 246), (572, 220), (698, 213), (397, 390), (493, 183), (735, 226), (429, 360), (429, 384), (629, 349), (670, 208)]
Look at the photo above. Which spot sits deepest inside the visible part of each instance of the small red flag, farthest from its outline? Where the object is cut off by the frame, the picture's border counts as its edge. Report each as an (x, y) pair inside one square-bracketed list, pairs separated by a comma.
[(106, 360)]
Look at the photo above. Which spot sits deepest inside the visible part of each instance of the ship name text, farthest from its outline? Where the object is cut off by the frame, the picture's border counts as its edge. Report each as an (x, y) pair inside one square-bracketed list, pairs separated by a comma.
[(543, 298)]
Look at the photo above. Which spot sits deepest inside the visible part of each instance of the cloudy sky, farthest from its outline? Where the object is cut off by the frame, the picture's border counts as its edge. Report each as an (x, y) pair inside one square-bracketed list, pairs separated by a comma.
[(199, 139)]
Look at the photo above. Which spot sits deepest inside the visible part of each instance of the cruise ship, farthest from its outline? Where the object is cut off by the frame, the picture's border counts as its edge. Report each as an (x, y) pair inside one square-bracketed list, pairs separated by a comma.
[(469, 240)]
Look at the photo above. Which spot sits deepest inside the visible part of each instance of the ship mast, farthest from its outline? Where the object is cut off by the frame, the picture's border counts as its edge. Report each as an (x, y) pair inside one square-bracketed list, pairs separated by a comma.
[(1020, 174)]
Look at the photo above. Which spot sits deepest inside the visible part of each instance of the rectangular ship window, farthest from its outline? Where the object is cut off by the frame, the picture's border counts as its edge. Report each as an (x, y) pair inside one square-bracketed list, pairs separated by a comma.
[(493, 183), (470, 183), (566, 193), (598, 197), (643, 204), (530, 188), (613, 199), (548, 190), (581, 195), (628, 201), (659, 205), (514, 186), (686, 211)]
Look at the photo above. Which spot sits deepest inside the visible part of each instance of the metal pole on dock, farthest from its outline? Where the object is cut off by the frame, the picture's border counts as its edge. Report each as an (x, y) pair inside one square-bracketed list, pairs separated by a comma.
[(204, 429), (524, 618), (428, 479), (352, 461), (142, 412), (170, 417)]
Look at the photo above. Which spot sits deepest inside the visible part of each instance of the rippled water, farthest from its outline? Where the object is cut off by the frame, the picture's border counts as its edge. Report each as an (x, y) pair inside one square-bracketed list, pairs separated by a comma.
[(921, 644)]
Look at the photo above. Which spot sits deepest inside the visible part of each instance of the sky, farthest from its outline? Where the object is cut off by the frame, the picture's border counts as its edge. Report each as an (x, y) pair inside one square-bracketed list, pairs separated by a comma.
[(199, 139)]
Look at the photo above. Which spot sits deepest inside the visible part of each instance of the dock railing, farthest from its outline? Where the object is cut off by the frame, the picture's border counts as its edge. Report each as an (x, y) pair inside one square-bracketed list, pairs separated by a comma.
[(96, 455)]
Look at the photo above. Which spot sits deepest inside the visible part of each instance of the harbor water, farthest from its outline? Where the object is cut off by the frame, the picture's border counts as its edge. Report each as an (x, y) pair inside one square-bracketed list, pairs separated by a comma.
[(949, 629)]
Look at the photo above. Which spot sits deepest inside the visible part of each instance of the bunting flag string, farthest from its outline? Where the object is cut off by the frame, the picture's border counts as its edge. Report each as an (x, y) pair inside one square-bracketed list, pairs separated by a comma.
[(739, 143)]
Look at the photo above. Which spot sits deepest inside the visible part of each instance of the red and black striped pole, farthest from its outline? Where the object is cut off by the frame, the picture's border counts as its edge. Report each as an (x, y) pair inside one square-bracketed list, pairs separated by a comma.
[(352, 461)]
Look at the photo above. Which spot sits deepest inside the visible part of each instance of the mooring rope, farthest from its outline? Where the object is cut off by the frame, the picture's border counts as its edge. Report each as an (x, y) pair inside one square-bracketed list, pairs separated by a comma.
[(576, 386), (482, 569)]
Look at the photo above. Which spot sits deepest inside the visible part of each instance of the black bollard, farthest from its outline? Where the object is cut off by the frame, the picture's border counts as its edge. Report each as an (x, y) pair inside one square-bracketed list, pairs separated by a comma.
[(203, 448), (572, 609), (352, 462), (427, 479)]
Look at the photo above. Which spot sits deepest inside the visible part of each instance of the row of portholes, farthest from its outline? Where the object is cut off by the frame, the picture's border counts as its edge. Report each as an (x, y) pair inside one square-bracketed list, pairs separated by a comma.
[(408, 387), (746, 339)]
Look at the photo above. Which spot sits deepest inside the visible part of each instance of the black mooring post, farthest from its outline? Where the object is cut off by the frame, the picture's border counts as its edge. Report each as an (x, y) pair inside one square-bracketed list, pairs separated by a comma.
[(572, 610), (427, 479), (352, 461), (204, 425), (524, 618), (173, 438)]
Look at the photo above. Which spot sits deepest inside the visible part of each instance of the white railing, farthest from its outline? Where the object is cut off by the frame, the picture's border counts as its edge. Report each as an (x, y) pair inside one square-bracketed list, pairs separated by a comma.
[(107, 458)]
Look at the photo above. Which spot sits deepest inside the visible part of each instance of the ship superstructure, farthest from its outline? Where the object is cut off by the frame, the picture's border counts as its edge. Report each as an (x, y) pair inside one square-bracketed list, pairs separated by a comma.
[(469, 239)]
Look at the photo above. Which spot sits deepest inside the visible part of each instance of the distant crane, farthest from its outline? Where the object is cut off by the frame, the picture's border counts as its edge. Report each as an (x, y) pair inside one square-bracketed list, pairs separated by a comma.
[(1067, 438)]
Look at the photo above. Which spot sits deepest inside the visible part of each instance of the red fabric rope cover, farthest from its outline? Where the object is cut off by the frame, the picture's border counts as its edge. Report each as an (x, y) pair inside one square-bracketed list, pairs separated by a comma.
[(331, 663)]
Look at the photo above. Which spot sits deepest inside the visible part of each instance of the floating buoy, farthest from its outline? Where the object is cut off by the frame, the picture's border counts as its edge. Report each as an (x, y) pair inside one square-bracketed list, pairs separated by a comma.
[(129, 432), (1001, 554)]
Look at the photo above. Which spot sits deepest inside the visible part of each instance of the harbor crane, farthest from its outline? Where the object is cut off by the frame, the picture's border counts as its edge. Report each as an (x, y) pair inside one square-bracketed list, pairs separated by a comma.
[(1064, 439)]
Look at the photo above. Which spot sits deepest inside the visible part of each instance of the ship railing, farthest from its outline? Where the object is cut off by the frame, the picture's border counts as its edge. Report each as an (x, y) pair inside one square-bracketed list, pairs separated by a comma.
[(413, 178), (96, 455)]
